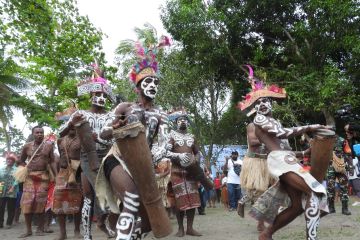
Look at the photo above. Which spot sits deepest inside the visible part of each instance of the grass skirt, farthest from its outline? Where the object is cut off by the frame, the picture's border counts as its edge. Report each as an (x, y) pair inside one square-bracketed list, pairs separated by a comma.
[(255, 174)]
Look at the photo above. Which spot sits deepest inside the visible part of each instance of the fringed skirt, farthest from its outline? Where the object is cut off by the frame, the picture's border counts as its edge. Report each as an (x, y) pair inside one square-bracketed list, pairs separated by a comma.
[(255, 174)]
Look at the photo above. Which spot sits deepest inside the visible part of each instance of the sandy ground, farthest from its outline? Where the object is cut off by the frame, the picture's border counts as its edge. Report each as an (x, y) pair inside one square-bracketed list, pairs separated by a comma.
[(221, 224)]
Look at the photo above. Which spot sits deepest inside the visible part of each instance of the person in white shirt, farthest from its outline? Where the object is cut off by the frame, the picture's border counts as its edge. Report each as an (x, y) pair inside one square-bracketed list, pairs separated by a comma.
[(354, 181), (233, 166)]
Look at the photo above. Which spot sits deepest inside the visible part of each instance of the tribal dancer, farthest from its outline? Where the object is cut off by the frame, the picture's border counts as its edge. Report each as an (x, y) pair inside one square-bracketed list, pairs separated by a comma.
[(67, 194), (40, 156), (282, 163), (183, 151), (254, 176), (97, 117), (117, 180)]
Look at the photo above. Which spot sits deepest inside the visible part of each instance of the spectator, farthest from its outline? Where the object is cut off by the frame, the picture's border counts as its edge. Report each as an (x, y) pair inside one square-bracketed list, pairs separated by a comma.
[(8, 190), (354, 180), (224, 192), (233, 181), (210, 193), (217, 186)]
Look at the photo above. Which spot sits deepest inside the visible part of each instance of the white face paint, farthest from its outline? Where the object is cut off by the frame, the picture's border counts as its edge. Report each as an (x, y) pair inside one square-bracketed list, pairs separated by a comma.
[(263, 106), (98, 99), (182, 123), (149, 86)]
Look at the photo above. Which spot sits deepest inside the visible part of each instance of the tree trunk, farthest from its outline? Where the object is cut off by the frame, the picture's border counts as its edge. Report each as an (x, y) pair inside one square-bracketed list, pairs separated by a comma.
[(330, 120), (6, 134)]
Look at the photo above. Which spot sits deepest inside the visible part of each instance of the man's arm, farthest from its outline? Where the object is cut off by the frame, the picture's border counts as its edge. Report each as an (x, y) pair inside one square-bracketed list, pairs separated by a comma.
[(226, 168), (52, 162), (23, 155), (251, 136), (117, 120), (160, 151), (75, 118), (196, 151), (274, 127)]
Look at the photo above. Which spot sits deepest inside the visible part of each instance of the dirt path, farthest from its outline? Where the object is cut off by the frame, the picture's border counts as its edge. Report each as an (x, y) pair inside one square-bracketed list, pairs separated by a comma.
[(218, 224)]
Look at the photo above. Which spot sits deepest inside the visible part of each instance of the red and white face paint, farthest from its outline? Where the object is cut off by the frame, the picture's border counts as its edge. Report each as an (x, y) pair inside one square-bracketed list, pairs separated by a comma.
[(149, 86)]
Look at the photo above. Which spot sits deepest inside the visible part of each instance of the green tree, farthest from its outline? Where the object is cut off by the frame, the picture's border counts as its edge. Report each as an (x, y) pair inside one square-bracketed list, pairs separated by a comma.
[(54, 43), (309, 47), (9, 85), (204, 97)]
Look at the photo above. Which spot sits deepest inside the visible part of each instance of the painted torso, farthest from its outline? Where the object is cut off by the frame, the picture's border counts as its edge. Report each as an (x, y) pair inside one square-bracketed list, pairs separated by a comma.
[(181, 142), (97, 122)]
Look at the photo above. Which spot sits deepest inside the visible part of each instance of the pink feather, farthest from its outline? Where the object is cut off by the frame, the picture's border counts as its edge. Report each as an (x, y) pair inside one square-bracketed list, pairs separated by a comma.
[(251, 72)]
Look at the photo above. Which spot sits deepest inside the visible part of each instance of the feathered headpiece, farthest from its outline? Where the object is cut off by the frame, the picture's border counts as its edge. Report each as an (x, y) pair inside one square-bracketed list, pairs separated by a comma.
[(97, 83), (259, 90), (146, 64), (175, 114)]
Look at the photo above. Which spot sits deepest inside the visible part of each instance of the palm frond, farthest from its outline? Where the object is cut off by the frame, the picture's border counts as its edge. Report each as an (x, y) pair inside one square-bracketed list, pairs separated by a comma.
[(125, 47), (13, 81)]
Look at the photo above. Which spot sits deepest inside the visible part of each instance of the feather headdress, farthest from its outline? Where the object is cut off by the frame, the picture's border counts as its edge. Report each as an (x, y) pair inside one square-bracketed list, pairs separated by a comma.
[(97, 83), (259, 90), (146, 64)]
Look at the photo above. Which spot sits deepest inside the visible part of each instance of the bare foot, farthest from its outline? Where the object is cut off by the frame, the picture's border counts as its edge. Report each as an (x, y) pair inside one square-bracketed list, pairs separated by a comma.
[(260, 226), (180, 233), (265, 235), (192, 232), (40, 233), (28, 234)]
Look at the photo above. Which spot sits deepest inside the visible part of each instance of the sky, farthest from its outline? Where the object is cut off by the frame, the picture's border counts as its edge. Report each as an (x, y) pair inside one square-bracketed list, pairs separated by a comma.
[(117, 19)]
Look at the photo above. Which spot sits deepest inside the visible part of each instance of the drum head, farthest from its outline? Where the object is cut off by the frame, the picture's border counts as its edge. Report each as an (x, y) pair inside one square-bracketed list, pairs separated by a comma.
[(325, 133)]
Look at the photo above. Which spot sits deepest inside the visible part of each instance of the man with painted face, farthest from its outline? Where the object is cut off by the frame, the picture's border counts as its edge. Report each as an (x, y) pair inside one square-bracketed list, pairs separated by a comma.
[(97, 117), (282, 163), (254, 176), (183, 152), (116, 179)]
